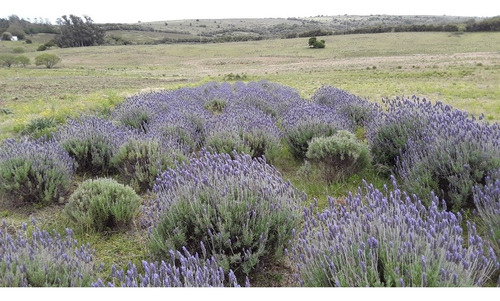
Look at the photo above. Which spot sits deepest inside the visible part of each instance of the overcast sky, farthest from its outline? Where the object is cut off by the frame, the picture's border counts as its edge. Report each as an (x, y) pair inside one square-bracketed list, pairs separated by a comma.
[(127, 11)]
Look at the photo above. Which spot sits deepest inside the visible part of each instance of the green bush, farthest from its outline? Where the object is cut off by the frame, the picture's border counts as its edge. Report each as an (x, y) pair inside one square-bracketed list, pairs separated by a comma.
[(299, 137), (49, 60), (18, 50), (40, 127), (22, 60), (34, 171), (215, 106), (92, 142), (390, 140), (139, 161), (240, 211), (102, 204), (339, 156)]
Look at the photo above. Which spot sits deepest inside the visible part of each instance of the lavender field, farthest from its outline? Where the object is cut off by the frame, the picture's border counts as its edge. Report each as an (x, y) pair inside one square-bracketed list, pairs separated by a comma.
[(215, 186)]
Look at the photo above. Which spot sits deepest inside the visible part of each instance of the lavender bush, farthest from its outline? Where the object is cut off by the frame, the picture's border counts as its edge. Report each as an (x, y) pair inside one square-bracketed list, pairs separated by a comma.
[(389, 132), (141, 158), (360, 111), (304, 121), (184, 270), (242, 128), (139, 110), (34, 171), (92, 142), (240, 211), (388, 239), (487, 201), (37, 258), (102, 204), (454, 153)]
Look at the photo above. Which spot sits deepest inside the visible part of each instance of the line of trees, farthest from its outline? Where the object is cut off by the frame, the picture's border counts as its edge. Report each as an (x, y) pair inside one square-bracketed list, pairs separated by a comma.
[(78, 32)]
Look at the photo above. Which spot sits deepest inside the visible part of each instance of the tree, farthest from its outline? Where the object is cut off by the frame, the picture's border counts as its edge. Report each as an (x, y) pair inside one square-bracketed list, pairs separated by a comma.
[(47, 59), (76, 32), (314, 43), (22, 60), (6, 36), (7, 60)]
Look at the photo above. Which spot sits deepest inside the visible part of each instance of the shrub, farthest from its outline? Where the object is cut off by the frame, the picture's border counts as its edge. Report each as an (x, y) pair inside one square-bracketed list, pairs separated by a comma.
[(388, 134), (304, 121), (185, 270), (37, 258), (18, 50), (389, 239), (239, 211), (40, 127), (92, 142), (49, 60), (215, 106), (487, 201), (455, 153), (139, 161), (139, 110), (34, 171), (360, 111), (7, 60), (22, 60), (339, 156), (242, 128), (102, 204)]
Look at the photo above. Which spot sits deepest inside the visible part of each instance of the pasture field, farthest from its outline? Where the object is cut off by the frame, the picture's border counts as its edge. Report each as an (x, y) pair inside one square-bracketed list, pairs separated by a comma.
[(462, 70)]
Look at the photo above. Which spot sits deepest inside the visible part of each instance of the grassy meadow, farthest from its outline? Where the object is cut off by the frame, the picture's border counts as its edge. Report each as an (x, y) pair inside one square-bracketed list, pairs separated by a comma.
[(462, 70)]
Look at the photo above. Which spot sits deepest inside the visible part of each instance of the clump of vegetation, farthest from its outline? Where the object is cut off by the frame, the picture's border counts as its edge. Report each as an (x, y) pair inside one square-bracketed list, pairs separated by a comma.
[(338, 156), (192, 271), (37, 258), (48, 60), (92, 142), (102, 205), (315, 43), (215, 106), (34, 171), (40, 127), (139, 160), (239, 211), (389, 239)]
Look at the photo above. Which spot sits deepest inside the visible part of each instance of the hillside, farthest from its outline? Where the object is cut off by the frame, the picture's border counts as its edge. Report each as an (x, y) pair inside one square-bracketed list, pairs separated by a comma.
[(224, 30)]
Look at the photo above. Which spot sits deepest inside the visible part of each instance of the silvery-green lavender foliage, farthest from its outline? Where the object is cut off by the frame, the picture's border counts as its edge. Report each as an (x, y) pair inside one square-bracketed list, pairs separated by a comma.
[(92, 142), (34, 171), (184, 270), (37, 258), (454, 153), (487, 201), (389, 238), (102, 204), (243, 128), (139, 110), (140, 159), (389, 132), (240, 210), (270, 98), (304, 121), (338, 156), (358, 110)]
